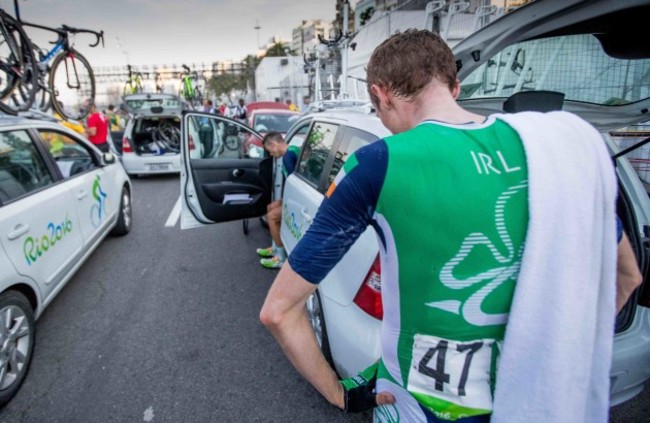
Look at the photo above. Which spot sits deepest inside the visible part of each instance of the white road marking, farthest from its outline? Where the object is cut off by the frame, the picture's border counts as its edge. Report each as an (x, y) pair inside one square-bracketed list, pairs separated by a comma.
[(174, 215), (148, 414)]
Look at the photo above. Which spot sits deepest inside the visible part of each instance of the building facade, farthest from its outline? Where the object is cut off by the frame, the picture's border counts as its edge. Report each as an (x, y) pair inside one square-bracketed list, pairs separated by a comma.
[(305, 37)]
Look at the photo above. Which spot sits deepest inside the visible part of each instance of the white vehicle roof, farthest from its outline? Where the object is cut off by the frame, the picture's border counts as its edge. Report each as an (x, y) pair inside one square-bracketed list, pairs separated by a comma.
[(359, 116)]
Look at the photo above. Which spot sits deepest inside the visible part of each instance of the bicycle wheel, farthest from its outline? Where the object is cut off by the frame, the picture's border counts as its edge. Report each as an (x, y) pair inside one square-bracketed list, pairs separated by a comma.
[(72, 85), (232, 142), (18, 69), (159, 83), (197, 100), (138, 83), (170, 136)]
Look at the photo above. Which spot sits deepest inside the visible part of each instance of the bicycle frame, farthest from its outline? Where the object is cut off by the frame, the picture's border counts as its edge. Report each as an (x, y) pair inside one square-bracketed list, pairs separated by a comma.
[(188, 86), (133, 80)]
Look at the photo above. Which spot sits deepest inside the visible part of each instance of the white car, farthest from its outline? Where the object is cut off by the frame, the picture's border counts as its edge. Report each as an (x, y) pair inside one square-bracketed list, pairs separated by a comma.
[(59, 197), (542, 56), (151, 139)]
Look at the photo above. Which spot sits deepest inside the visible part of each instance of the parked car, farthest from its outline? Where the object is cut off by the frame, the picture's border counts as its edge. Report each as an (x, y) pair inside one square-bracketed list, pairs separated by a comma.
[(59, 197), (151, 139), (586, 57)]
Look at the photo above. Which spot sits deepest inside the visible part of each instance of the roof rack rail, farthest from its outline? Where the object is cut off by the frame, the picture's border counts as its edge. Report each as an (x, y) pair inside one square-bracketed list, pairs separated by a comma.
[(323, 105), (37, 114)]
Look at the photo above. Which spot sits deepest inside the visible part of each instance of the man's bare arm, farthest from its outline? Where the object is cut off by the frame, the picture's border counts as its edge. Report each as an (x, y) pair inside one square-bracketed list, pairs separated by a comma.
[(628, 275), (284, 314)]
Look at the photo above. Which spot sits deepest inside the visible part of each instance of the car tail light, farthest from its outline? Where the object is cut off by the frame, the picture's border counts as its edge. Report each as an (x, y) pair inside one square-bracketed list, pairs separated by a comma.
[(126, 145), (191, 142), (368, 297)]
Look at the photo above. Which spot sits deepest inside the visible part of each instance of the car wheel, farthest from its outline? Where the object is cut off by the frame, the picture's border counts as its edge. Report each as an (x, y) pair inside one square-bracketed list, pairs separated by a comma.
[(317, 321), (245, 226), (16, 342), (264, 222), (124, 220)]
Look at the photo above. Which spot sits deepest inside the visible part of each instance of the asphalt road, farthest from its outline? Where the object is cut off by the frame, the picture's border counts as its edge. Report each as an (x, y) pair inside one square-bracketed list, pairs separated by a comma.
[(162, 326)]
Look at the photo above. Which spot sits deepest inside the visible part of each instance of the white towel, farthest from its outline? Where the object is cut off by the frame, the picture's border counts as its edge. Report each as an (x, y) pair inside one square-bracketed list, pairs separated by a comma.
[(557, 350)]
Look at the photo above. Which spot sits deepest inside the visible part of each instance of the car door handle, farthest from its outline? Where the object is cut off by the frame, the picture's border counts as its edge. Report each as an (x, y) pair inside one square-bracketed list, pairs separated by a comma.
[(306, 215), (19, 230), (82, 194), (237, 173)]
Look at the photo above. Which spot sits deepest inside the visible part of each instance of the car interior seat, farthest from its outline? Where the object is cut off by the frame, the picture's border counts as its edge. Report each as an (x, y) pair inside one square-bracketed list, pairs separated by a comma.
[(534, 101), (10, 188)]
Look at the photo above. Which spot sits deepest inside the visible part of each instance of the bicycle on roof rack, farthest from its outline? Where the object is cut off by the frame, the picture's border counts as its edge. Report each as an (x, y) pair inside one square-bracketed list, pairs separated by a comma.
[(18, 70), (189, 90), (158, 81), (70, 86), (133, 83)]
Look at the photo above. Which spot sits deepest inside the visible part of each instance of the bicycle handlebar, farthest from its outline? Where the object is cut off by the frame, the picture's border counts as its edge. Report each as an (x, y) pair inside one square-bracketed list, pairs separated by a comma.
[(328, 42), (99, 35), (64, 30)]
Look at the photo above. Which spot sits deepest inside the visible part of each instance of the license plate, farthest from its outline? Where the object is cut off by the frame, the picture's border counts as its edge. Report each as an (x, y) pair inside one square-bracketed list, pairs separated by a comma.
[(163, 166)]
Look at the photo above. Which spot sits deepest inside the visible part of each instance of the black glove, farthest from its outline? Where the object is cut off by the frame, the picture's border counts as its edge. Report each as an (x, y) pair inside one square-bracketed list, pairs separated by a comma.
[(359, 391)]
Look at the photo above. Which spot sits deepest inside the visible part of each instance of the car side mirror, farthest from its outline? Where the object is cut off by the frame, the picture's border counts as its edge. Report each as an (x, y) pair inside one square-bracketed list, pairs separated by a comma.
[(108, 158)]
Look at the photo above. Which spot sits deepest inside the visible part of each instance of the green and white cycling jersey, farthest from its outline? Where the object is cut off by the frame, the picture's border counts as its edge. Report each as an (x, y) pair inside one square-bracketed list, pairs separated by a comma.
[(449, 204)]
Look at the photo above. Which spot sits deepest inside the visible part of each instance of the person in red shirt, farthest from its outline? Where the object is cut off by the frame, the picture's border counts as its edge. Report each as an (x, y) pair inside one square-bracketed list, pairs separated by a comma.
[(97, 129)]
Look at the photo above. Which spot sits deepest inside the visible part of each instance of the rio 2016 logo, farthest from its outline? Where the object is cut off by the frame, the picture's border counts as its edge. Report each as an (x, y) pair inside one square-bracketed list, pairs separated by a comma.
[(34, 248), (97, 210), (290, 221)]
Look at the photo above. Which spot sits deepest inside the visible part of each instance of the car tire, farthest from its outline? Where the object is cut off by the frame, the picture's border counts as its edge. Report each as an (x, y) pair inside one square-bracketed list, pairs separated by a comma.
[(245, 226), (125, 217), (264, 222), (317, 321), (15, 306)]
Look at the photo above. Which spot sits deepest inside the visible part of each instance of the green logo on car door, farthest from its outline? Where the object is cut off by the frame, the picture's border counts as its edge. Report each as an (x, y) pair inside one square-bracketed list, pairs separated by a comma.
[(34, 248)]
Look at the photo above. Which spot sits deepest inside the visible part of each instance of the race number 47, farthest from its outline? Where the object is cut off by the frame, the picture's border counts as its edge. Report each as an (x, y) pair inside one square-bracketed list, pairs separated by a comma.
[(452, 371)]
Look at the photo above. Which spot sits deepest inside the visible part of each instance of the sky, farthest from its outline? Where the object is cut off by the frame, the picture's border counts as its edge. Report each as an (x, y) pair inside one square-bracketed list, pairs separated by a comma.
[(163, 32)]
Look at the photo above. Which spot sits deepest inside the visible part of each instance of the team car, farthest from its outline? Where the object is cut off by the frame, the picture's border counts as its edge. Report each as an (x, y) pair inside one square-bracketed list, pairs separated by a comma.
[(59, 198)]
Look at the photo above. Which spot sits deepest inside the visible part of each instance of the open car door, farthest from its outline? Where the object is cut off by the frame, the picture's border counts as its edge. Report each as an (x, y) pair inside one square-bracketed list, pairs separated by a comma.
[(217, 183)]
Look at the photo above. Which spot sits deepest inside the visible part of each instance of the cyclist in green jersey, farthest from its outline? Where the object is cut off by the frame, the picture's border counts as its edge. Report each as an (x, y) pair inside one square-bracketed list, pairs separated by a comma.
[(449, 276)]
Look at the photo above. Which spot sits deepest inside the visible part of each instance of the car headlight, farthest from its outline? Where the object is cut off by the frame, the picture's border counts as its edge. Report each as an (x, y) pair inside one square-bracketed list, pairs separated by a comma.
[(255, 152)]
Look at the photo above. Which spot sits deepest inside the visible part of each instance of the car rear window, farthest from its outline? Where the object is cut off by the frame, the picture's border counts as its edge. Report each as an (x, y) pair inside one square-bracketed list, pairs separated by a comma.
[(278, 122), (575, 65), (168, 104)]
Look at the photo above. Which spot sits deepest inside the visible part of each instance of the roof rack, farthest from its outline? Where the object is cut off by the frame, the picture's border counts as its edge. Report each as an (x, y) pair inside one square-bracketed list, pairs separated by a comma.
[(324, 105), (36, 114)]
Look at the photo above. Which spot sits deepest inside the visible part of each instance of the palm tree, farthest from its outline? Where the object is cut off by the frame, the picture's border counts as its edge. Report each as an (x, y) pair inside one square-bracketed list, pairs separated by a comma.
[(278, 49)]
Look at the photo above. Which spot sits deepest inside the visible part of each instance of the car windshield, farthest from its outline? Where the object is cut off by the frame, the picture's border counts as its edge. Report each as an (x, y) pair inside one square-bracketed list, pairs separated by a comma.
[(278, 122), (575, 65)]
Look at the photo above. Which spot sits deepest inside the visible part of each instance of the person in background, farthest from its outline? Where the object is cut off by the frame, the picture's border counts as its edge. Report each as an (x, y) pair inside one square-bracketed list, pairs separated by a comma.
[(208, 107), (291, 106), (114, 119), (241, 111), (97, 129), (273, 257), (306, 101)]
